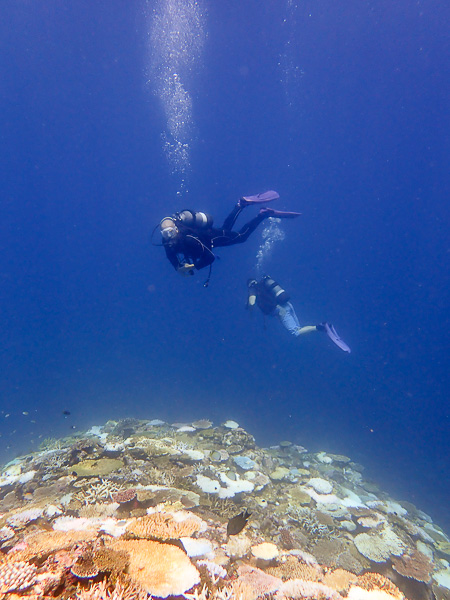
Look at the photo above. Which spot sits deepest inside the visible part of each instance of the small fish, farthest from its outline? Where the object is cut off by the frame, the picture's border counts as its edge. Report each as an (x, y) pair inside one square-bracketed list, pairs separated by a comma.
[(66, 413), (73, 427), (237, 523)]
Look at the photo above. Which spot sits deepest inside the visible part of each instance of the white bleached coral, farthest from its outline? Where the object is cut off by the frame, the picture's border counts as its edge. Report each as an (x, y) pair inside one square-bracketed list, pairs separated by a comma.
[(231, 488), (20, 519), (208, 485), (265, 551), (321, 486), (323, 458), (9, 479), (197, 547), (379, 545), (299, 588), (442, 578), (76, 524)]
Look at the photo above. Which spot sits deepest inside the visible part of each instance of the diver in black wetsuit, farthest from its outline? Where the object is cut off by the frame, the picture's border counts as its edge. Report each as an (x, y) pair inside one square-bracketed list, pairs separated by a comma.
[(189, 237)]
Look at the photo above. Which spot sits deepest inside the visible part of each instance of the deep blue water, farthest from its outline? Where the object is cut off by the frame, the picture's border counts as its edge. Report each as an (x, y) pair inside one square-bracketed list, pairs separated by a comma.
[(340, 106)]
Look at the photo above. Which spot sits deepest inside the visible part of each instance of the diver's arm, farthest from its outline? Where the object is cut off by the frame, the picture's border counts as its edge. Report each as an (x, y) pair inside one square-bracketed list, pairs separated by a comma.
[(172, 256), (179, 262), (186, 269)]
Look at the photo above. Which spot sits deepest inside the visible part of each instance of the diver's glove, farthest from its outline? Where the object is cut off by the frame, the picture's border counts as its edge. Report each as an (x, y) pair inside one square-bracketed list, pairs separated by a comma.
[(185, 269), (251, 301)]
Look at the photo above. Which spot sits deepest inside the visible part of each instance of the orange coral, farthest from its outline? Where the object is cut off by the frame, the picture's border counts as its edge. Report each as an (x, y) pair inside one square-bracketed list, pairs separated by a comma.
[(375, 581), (339, 580), (161, 569), (162, 526), (293, 568), (44, 542)]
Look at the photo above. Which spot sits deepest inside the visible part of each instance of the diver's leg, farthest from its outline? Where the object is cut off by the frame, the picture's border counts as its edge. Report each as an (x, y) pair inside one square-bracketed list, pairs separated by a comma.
[(249, 228), (229, 222), (287, 316), (307, 329), (228, 238)]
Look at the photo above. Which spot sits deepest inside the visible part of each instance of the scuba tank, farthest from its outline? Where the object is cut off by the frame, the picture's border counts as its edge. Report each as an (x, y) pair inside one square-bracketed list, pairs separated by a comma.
[(194, 220), (274, 289)]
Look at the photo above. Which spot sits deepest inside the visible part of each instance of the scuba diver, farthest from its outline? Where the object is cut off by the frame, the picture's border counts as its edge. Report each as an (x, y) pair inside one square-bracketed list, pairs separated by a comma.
[(189, 237), (272, 300)]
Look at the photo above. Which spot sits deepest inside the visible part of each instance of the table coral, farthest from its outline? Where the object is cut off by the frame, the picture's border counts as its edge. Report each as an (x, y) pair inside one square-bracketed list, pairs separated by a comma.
[(161, 569), (162, 526)]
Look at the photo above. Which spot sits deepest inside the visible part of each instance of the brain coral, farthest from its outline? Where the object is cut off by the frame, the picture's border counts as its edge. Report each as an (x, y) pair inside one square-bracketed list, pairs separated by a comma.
[(161, 569)]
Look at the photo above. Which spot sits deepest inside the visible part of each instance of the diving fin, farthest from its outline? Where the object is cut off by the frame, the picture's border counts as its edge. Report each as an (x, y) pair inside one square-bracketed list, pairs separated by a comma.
[(334, 337), (279, 214), (260, 198)]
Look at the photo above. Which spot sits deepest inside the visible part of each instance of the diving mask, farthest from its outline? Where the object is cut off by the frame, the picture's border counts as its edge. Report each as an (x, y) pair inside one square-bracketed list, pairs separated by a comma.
[(168, 229), (168, 233)]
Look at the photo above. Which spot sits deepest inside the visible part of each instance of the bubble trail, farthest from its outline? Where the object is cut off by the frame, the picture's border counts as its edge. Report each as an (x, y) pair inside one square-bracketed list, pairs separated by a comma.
[(271, 234), (176, 40)]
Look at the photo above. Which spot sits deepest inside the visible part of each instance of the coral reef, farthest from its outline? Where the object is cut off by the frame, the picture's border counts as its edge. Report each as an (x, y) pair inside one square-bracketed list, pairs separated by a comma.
[(138, 509)]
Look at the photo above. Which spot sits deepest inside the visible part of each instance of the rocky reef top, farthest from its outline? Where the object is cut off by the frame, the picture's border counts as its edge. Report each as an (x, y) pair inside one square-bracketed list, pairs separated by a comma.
[(136, 509)]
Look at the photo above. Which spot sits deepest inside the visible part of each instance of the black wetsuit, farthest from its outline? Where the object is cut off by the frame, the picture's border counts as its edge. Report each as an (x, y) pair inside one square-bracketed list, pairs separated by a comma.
[(195, 245)]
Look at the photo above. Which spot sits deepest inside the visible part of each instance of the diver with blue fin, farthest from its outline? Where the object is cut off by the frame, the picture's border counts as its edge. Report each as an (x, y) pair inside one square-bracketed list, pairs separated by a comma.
[(189, 237), (273, 300)]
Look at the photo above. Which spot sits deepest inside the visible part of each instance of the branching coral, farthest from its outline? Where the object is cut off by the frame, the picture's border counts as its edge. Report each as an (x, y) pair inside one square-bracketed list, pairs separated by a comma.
[(98, 492), (122, 590)]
